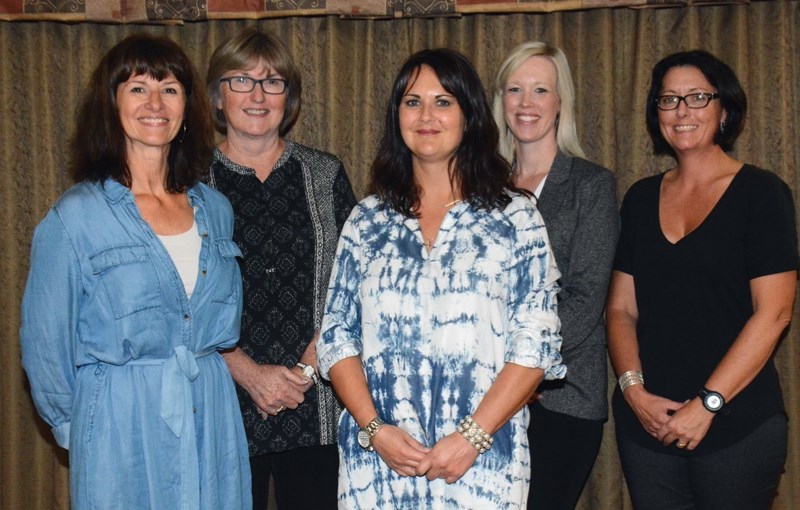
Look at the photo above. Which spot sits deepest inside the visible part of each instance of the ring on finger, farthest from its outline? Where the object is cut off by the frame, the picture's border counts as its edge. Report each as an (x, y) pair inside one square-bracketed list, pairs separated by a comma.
[(681, 445), (280, 409)]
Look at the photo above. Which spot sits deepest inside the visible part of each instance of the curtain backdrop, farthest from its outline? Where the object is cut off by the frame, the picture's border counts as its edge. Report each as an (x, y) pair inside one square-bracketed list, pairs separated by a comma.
[(347, 67)]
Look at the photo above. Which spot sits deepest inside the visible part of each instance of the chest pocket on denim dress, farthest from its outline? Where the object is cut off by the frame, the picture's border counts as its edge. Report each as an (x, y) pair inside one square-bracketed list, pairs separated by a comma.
[(228, 284), (129, 277)]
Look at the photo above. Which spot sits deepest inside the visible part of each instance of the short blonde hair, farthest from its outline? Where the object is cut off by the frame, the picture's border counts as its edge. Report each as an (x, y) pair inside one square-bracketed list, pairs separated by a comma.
[(566, 132), (245, 50)]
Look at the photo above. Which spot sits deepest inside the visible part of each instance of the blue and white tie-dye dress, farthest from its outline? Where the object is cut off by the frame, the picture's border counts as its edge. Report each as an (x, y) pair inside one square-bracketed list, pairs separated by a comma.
[(433, 330)]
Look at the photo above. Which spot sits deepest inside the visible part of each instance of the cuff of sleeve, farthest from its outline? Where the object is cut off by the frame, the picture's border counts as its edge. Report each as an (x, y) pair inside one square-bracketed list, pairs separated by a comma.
[(530, 349), (61, 433), (327, 359)]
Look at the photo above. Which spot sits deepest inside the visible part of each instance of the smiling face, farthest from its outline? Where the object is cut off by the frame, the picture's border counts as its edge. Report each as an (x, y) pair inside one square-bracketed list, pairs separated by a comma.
[(150, 111), (531, 102), (687, 129), (254, 114), (431, 121)]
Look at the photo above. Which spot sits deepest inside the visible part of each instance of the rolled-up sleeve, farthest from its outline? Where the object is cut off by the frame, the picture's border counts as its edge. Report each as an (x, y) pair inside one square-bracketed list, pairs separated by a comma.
[(341, 325), (534, 339), (49, 324)]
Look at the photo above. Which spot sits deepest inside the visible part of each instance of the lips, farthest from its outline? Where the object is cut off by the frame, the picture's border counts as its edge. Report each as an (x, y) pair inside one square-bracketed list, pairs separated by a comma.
[(256, 111), (685, 127), (155, 121), (527, 118)]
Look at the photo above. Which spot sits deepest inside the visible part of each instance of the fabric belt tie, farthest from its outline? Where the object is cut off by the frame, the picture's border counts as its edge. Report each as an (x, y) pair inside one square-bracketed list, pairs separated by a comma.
[(177, 374)]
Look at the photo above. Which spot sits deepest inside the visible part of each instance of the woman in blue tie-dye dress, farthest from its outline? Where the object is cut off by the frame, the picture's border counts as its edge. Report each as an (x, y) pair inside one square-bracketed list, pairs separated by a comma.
[(441, 315)]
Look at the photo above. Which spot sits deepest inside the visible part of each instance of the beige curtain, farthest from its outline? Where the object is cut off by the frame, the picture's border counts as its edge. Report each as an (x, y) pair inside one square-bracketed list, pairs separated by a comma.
[(347, 67)]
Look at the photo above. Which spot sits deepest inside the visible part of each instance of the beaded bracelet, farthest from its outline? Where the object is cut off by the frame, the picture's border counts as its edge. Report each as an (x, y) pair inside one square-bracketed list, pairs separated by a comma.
[(476, 436), (630, 378)]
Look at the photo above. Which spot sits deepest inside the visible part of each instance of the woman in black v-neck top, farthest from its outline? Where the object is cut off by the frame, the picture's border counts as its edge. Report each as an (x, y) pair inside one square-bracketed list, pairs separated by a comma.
[(703, 287)]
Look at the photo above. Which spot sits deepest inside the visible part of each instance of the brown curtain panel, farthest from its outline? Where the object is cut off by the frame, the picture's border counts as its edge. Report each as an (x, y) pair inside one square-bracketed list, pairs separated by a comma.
[(347, 67)]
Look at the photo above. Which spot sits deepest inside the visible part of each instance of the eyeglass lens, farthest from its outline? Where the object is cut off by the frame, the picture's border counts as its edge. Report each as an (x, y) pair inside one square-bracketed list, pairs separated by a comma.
[(247, 84), (699, 100)]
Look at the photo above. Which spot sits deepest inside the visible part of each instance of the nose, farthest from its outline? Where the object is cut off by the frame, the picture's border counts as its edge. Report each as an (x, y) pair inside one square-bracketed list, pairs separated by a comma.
[(257, 94), (682, 109), (527, 98), (426, 112), (155, 101)]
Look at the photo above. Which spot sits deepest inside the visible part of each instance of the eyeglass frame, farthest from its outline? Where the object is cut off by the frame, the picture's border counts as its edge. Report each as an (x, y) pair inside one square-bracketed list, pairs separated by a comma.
[(710, 95), (256, 82)]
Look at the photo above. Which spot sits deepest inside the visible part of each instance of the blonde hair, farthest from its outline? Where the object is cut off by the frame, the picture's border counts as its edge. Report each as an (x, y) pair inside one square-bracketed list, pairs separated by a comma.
[(566, 133)]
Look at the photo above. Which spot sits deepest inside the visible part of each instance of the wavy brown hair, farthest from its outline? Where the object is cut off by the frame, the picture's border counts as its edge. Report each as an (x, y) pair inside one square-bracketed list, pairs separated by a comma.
[(481, 175), (99, 144)]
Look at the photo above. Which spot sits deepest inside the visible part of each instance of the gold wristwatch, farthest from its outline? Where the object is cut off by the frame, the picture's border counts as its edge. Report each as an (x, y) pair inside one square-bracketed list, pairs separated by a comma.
[(366, 434)]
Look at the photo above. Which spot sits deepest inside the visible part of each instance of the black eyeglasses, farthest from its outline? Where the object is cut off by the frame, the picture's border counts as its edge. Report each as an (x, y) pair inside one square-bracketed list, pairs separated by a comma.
[(698, 100), (246, 84)]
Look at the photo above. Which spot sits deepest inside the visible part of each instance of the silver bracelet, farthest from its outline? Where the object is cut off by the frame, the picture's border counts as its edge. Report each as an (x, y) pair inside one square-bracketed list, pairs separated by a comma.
[(630, 378), (476, 436)]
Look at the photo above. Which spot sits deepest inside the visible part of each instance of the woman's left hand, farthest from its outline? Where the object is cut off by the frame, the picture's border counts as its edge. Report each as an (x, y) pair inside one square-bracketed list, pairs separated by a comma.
[(449, 458), (687, 427)]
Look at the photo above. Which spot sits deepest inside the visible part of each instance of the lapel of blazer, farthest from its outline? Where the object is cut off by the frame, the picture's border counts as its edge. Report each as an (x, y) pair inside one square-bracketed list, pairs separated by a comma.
[(553, 192)]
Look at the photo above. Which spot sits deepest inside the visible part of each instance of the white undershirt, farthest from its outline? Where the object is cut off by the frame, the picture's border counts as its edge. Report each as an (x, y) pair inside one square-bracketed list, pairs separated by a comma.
[(184, 249), (538, 190)]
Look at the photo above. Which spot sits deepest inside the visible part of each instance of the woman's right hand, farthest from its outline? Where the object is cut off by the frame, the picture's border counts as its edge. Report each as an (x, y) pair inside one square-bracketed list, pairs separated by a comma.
[(274, 388), (652, 411), (398, 449)]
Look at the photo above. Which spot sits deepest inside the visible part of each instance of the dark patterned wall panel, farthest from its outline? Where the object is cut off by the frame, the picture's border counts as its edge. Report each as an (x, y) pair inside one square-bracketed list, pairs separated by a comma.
[(54, 6), (429, 7), (187, 10), (295, 5)]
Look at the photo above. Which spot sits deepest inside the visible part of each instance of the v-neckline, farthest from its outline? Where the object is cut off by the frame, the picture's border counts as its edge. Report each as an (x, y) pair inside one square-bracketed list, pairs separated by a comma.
[(703, 222)]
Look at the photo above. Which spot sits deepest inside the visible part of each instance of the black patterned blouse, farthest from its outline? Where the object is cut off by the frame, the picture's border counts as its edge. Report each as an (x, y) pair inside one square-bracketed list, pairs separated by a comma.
[(287, 228)]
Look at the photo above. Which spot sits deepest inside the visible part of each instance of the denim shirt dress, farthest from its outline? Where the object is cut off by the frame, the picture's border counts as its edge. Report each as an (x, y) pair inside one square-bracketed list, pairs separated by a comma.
[(123, 366)]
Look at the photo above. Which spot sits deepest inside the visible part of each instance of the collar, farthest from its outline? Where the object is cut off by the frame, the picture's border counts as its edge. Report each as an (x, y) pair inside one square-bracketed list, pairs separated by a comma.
[(560, 169), (115, 192), (228, 164)]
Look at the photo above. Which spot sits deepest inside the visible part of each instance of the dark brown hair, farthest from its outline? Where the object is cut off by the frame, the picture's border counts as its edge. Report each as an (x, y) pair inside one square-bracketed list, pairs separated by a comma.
[(731, 96), (481, 175), (99, 144)]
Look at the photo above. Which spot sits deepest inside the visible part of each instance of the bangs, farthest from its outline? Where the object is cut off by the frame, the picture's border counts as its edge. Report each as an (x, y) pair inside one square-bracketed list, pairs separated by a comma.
[(150, 58)]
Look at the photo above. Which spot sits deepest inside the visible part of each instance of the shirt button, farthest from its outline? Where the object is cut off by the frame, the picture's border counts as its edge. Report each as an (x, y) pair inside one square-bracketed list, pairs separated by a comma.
[(204, 272), (186, 316), (205, 234), (194, 410)]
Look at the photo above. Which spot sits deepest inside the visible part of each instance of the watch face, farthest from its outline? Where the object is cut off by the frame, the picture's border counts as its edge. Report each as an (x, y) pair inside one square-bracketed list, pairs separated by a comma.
[(308, 371), (713, 401), (363, 439)]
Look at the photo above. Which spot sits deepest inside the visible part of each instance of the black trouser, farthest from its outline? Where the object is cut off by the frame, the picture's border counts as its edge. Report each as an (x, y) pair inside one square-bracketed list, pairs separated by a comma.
[(563, 451), (743, 476), (304, 478)]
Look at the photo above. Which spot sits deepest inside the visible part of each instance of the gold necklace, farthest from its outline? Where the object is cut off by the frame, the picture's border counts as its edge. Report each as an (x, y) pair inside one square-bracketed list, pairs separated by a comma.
[(450, 204)]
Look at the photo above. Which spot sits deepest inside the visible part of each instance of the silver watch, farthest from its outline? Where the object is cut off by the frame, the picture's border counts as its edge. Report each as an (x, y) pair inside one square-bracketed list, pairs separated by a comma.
[(308, 371), (366, 434)]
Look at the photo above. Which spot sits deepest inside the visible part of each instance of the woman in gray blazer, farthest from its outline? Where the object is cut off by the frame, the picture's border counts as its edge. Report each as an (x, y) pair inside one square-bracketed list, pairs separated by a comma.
[(533, 107)]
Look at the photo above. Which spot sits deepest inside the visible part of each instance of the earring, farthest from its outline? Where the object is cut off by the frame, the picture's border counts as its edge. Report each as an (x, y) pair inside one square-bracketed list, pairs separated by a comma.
[(183, 134), (722, 127)]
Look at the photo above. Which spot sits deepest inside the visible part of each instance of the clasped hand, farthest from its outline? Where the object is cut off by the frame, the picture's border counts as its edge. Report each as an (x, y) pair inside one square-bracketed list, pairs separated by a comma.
[(669, 421), (449, 458), (277, 388)]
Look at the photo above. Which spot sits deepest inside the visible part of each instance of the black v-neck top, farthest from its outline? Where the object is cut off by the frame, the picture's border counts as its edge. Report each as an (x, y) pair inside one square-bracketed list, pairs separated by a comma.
[(693, 296)]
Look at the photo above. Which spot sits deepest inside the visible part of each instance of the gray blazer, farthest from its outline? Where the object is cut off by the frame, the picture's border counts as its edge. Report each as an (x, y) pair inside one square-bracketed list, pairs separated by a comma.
[(579, 205)]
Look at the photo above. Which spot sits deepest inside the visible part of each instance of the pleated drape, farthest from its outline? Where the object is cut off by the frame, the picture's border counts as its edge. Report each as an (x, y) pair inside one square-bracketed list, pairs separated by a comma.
[(347, 68)]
